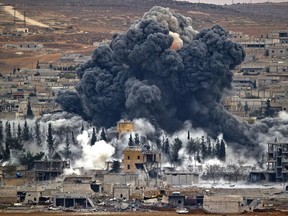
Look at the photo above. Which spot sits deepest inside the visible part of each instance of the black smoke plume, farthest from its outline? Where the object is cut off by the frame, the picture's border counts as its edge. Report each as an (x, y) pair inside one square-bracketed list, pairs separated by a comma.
[(163, 70)]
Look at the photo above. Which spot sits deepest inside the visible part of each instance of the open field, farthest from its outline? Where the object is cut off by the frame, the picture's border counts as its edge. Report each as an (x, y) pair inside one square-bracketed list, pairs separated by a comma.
[(74, 25)]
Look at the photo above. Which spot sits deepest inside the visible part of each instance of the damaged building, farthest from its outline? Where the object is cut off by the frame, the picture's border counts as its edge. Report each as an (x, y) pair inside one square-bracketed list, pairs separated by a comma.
[(176, 199), (115, 182), (74, 201), (137, 159), (277, 165), (49, 169)]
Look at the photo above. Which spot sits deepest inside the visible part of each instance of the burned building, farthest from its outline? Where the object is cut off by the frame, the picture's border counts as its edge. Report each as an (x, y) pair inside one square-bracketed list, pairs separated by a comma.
[(49, 169)]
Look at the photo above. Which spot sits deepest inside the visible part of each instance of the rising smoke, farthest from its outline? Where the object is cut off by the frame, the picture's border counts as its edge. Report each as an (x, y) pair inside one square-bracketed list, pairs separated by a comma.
[(163, 70)]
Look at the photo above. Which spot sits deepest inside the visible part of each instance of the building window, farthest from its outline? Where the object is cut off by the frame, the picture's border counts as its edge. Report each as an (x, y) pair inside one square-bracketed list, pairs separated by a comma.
[(128, 157), (128, 166), (138, 157)]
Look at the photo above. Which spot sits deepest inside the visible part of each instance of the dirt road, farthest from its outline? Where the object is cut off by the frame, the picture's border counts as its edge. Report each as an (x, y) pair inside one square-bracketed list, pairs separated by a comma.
[(10, 10)]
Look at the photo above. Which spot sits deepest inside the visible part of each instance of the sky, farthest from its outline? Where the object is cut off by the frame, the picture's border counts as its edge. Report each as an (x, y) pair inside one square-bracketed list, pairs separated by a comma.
[(222, 2)]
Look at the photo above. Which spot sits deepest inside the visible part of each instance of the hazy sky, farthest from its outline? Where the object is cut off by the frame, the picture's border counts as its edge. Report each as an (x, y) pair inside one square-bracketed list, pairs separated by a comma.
[(230, 1)]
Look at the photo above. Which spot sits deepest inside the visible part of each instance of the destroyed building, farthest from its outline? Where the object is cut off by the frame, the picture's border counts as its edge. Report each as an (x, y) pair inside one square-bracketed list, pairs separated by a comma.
[(137, 159), (277, 164), (49, 169)]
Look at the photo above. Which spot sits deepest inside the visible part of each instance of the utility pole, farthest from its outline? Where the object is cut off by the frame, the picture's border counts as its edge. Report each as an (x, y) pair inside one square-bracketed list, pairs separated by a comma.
[(14, 16)]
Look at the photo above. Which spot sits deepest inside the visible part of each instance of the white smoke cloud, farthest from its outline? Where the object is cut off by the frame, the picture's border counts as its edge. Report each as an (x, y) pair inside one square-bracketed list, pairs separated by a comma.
[(283, 115), (143, 126), (93, 157)]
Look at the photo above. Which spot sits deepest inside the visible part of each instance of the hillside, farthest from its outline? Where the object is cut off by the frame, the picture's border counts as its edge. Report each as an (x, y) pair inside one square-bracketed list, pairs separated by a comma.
[(76, 24)]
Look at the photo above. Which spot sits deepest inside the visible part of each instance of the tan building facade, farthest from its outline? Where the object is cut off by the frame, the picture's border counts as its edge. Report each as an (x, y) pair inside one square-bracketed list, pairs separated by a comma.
[(135, 158)]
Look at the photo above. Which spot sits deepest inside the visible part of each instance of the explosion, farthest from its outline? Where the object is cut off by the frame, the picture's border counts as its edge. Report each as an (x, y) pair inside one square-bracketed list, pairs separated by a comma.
[(162, 70)]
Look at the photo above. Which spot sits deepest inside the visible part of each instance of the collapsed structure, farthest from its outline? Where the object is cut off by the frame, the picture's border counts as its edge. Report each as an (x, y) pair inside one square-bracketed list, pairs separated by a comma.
[(277, 164)]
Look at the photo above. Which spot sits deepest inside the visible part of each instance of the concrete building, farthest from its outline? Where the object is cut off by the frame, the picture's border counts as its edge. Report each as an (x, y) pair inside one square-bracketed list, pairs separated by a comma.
[(78, 184), (238, 36), (277, 161), (176, 199), (121, 192), (125, 127), (25, 46), (120, 179), (253, 69), (277, 51), (230, 204), (243, 83), (12, 175), (258, 44), (181, 178), (283, 37), (135, 158), (49, 169), (74, 201), (277, 165), (280, 67)]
